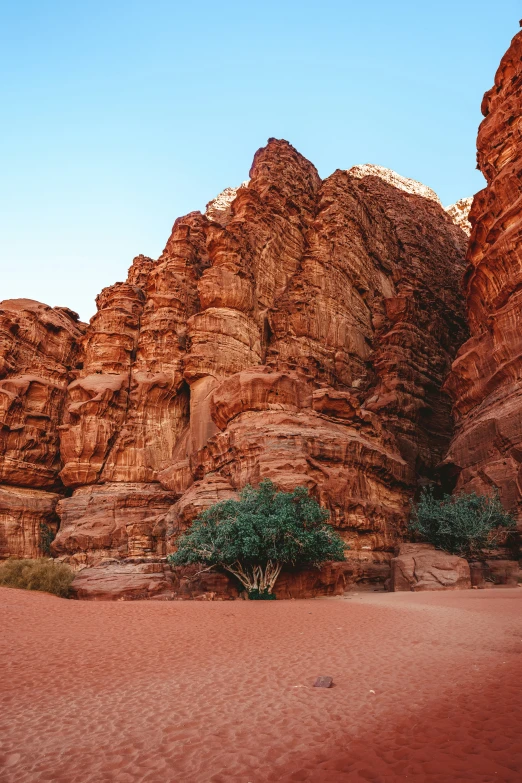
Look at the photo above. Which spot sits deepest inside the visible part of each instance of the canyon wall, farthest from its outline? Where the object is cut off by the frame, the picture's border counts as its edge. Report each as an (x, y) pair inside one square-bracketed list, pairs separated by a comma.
[(300, 330), (486, 379)]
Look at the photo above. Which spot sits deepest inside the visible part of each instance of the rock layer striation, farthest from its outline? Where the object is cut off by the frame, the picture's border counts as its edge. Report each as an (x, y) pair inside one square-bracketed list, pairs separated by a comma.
[(39, 354)]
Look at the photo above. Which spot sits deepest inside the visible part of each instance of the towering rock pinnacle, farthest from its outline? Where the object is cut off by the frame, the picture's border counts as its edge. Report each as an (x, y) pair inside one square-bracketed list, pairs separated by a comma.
[(486, 379), (300, 331)]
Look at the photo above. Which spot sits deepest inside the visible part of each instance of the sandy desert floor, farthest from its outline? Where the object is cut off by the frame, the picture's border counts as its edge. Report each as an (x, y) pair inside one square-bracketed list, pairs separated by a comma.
[(428, 687)]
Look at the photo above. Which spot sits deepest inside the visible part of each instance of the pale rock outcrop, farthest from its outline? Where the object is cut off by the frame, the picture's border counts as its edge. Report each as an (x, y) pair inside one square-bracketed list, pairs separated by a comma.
[(411, 186), (220, 208), (459, 213)]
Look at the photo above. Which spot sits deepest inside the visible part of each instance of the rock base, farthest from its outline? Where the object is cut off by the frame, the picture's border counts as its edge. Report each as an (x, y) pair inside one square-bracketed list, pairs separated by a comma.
[(145, 579)]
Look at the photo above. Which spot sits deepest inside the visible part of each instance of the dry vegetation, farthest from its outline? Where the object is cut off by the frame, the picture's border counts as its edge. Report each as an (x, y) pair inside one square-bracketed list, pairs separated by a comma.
[(44, 574)]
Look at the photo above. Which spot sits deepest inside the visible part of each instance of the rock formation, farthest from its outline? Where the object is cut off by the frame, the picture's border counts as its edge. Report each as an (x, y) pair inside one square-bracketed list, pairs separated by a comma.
[(420, 567), (486, 379), (392, 178), (459, 213), (300, 330), (220, 208), (39, 351)]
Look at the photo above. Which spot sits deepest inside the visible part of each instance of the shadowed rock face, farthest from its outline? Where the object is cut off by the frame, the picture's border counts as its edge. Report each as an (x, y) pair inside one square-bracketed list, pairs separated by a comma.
[(486, 379), (300, 331)]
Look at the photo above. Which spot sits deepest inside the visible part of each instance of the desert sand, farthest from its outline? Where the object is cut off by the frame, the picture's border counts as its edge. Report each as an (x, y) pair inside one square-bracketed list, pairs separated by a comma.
[(428, 687)]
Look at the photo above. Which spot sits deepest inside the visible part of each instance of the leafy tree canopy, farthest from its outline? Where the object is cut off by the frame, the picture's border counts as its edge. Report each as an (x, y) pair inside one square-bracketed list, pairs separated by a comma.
[(254, 536), (462, 524)]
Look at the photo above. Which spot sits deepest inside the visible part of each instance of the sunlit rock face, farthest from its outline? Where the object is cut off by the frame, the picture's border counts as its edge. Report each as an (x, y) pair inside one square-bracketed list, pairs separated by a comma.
[(486, 379), (39, 354), (219, 209), (300, 331), (459, 213)]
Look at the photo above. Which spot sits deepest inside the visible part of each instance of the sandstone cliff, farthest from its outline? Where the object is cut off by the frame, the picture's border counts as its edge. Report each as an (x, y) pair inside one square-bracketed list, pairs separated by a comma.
[(485, 382), (39, 350), (300, 330)]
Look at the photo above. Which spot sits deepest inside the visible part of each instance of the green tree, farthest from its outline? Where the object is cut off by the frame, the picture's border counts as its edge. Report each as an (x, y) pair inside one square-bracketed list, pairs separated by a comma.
[(463, 524), (47, 536), (255, 536)]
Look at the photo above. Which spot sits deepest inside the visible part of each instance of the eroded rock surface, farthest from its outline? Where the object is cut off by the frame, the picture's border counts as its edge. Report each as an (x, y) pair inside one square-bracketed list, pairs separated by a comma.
[(28, 521), (114, 580), (300, 331), (39, 353), (116, 519), (421, 567), (39, 350), (486, 379)]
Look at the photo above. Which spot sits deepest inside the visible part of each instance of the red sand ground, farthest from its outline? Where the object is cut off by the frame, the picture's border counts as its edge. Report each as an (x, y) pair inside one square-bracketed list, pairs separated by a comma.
[(428, 688)]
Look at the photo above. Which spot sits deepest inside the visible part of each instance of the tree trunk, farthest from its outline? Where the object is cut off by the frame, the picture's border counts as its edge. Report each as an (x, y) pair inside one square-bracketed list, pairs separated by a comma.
[(256, 577)]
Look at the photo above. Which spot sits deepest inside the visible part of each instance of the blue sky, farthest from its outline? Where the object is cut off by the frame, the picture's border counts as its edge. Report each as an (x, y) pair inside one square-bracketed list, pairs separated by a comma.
[(119, 116)]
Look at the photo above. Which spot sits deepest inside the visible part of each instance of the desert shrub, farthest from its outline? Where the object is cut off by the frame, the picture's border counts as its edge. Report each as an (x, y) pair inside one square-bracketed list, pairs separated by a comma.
[(463, 524), (254, 536), (42, 574)]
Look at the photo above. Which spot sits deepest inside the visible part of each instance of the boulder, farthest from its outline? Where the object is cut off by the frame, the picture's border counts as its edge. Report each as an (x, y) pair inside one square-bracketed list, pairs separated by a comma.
[(422, 567)]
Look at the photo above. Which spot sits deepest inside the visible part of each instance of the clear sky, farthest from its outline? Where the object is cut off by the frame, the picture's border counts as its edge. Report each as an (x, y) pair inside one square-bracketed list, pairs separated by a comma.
[(119, 115)]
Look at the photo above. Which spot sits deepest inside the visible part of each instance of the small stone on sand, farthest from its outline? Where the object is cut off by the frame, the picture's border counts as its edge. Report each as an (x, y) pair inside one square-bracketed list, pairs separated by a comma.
[(323, 682)]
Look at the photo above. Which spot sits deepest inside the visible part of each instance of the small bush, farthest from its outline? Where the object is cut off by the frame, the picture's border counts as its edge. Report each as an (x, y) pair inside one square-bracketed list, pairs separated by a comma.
[(44, 575), (462, 524)]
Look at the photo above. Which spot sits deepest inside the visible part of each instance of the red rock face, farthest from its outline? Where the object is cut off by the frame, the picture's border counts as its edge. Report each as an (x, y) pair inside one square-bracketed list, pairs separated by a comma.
[(39, 350), (485, 382), (300, 331)]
